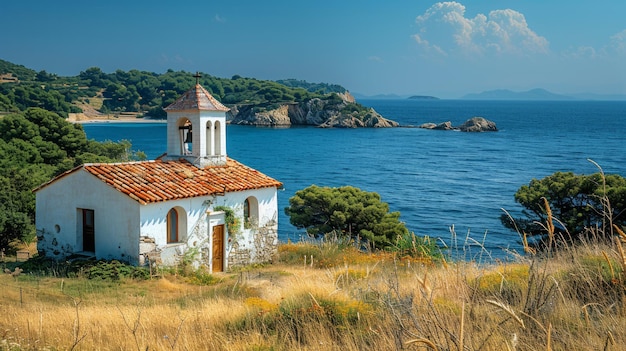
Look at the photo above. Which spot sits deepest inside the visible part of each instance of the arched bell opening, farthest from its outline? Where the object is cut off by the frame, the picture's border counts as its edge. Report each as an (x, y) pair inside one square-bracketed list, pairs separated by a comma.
[(209, 138), (218, 138), (185, 136)]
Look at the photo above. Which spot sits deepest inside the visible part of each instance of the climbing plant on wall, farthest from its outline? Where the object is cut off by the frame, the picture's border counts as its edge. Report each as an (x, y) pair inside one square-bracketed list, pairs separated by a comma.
[(232, 221)]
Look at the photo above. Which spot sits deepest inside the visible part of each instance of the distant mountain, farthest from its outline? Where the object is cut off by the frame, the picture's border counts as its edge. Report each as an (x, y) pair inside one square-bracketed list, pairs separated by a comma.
[(423, 97), (504, 94)]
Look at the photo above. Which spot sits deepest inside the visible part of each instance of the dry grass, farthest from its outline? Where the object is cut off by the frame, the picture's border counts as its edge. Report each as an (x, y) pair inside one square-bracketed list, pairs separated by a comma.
[(572, 301)]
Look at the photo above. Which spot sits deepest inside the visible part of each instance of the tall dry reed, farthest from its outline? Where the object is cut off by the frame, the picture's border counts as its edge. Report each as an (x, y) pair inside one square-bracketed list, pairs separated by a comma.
[(573, 298)]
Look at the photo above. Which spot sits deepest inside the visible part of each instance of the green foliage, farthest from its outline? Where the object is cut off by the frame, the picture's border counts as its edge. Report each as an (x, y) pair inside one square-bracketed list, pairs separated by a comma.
[(141, 91), (291, 253), (35, 146), (291, 317), (119, 97), (202, 277), (419, 247), (324, 88), (579, 202), (233, 223), (24, 95), (21, 72), (114, 270), (6, 105), (100, 270), (348, 211)]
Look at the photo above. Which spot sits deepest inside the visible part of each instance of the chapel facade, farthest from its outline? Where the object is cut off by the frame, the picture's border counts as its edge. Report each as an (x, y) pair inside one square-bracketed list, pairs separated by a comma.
[(193, 202)]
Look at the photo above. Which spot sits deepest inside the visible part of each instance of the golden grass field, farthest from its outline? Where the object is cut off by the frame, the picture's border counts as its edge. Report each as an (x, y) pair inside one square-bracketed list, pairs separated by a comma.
[(338, 300)]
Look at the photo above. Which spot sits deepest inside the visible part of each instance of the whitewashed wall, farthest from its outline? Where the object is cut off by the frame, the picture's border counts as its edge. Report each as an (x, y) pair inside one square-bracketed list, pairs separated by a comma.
[(194, 231), (120, 222), (199, 120), (201, 217), (268, 216), (115, 218)]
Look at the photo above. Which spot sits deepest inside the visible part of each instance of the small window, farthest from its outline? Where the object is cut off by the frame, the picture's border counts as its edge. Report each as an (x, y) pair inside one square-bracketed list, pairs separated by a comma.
[(250, 212), (172, 226), (246, 209)]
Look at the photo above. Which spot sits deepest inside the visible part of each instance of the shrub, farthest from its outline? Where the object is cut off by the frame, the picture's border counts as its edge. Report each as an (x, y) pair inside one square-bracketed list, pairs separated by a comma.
[(412, 245), (347, 212), (115, 270)]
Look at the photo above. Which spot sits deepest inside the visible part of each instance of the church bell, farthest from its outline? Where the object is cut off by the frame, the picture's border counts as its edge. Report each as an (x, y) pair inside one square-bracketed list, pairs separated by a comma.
[(185, 133)]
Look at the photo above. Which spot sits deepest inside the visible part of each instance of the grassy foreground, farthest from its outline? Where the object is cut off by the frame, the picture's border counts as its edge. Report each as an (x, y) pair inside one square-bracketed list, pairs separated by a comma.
[(318, 297)]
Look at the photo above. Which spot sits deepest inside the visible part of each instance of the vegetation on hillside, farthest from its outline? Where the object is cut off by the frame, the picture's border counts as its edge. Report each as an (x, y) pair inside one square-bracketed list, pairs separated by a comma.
[(579, 202), (318, 295), (35, 146), (320, 88), (325, 296), (347, 212), (146, 92)]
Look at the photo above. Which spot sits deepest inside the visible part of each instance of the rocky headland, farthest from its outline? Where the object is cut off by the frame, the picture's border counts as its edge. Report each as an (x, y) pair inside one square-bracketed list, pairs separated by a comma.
[(474, 124), (324, 113)]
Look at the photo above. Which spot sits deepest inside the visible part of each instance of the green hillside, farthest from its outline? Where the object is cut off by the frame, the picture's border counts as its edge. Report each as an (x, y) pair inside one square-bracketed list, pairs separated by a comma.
[(142, 91)]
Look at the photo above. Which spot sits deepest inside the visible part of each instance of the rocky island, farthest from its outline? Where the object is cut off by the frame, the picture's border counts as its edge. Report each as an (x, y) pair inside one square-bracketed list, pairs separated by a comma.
[(340, 110), (474, 124), (423, 97)]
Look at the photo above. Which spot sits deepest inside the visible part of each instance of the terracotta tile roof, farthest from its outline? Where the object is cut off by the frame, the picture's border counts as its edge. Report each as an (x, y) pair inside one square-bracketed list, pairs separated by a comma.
[(196, 98), (155, 181)]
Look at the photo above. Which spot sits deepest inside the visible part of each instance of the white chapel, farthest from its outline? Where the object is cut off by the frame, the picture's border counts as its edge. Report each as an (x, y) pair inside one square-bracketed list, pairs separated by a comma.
[(193, 202)]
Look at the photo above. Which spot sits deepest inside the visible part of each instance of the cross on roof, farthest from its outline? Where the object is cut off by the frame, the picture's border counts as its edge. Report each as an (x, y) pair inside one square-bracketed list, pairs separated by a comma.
[(197, 76)]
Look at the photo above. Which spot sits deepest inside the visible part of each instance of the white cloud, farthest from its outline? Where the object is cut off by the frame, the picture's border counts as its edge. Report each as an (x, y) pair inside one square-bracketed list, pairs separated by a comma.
[(618, 43), (615, 48), (375, 58), (219, 19), (445, 29)]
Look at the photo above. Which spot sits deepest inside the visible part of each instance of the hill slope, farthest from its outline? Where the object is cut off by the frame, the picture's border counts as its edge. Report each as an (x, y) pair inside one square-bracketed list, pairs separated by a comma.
[(147, 93)]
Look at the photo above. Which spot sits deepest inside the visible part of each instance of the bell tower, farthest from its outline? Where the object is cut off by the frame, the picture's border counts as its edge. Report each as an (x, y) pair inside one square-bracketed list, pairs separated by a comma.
[(196, 128)]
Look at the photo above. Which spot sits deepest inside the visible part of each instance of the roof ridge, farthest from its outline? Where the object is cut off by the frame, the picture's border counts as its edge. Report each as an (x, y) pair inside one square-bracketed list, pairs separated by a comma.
[(117, 163), (197, 98)]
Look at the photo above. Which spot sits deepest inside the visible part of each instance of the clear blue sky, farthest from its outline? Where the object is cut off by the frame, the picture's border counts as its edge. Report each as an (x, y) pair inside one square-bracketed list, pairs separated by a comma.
[(371, 47)]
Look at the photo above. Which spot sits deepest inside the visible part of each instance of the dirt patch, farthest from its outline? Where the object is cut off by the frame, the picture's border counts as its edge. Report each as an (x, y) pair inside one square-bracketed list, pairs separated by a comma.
[(90, 114)]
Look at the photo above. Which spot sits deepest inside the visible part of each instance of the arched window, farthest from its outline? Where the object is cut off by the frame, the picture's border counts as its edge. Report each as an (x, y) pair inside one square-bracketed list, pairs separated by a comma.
[(185, 136), (172, 226), (209, 139), (218, 139), (250, 212), (246, 209)]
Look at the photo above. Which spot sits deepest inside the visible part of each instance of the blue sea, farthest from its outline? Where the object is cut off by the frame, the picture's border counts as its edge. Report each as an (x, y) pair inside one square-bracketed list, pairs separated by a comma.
[(447, 185)]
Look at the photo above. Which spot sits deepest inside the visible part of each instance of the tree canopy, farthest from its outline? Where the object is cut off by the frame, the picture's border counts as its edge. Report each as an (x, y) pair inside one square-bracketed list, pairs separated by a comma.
[(35, 146), (580, 202), (346, 211), (141, 91)]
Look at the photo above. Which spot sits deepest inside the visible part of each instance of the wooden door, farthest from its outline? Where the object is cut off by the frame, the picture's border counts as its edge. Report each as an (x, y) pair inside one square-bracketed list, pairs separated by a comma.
[(89, 232), (218, 248)]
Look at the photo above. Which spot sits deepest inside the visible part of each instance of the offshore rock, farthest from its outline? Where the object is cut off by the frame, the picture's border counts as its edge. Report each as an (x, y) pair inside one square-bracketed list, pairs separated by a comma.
[(474, 124), (428, 125), (315, 112), (478, 124), (444, 126)]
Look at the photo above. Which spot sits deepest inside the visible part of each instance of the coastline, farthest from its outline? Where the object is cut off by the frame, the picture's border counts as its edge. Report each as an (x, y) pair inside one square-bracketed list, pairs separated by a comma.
[(119, 120), (81, 118)]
